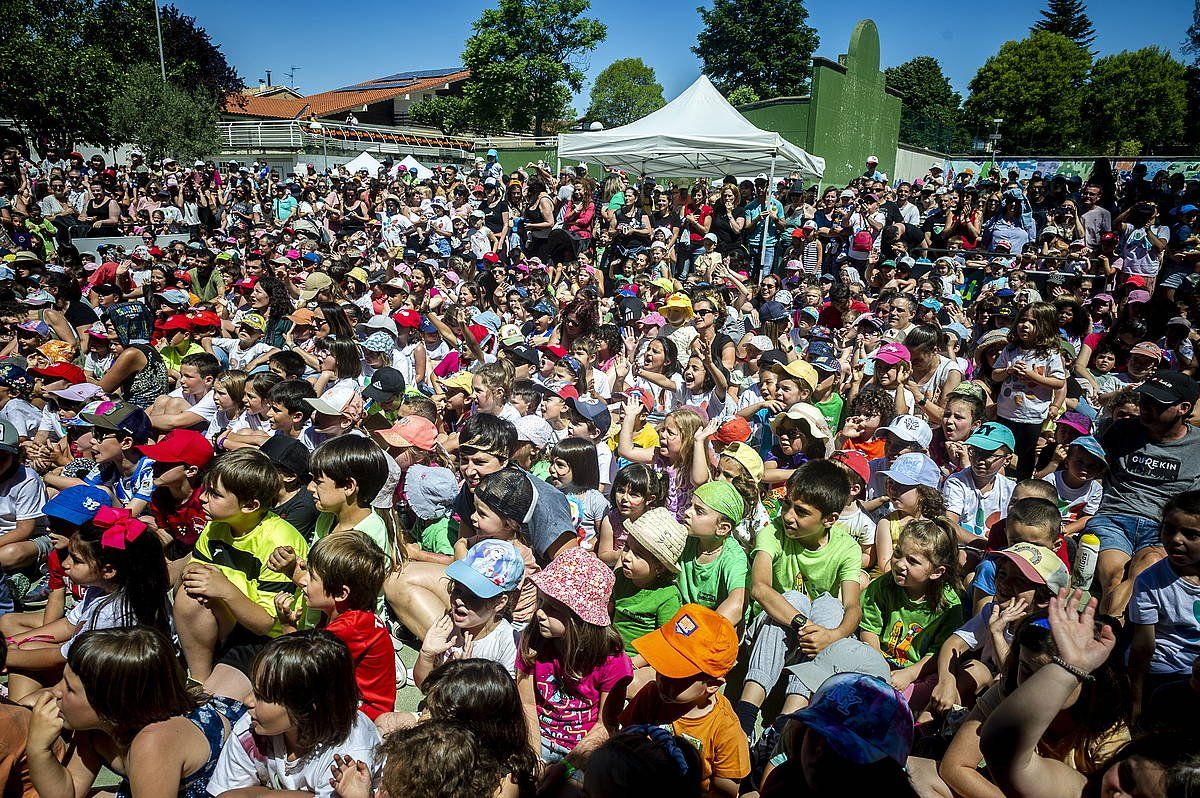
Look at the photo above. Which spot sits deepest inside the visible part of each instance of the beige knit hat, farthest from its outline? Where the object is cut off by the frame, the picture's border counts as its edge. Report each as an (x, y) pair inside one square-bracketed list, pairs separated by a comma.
[(662, 535)]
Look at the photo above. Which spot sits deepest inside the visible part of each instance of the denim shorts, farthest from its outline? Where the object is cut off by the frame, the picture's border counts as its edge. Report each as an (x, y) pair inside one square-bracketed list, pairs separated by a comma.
[(1127, 533)]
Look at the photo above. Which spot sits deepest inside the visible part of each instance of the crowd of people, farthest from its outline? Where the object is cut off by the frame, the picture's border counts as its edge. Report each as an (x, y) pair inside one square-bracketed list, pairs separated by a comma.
[(648, 486)]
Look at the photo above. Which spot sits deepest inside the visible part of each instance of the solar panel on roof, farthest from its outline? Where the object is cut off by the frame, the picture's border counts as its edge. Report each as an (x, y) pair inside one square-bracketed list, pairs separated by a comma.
[(400, 79)]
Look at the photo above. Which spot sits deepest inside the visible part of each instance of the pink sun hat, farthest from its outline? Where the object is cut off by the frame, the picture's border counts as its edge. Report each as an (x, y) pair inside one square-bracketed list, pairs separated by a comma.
[(578, 579)]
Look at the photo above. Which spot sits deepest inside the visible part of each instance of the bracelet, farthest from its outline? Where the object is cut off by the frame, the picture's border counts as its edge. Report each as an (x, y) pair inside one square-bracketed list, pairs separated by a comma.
[(1078, 673)]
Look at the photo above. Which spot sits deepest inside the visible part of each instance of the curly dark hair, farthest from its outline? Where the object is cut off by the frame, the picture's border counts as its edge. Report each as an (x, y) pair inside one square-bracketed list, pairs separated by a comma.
[(873, 401), (279, 303)]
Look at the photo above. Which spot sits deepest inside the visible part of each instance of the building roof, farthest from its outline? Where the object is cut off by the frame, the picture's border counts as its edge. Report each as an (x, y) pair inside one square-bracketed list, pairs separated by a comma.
[(335, 102)]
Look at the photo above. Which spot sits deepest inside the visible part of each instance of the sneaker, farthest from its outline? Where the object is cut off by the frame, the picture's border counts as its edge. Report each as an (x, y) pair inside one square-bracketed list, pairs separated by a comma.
[(401, 669), (18, 585), (38, 594)]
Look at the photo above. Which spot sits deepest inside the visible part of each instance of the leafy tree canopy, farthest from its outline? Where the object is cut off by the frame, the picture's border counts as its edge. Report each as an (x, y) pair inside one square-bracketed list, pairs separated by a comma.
[(1035, 85), (1138, 96), (931, 111), (163, 119), (526, 58), (763, 46), (626, 90)]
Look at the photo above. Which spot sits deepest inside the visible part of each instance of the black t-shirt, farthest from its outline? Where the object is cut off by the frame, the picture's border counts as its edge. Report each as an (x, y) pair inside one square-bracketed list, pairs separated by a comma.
[(669, 219), (935, 225), (301, 512), (80, 315), (493, 215), (722, 225)]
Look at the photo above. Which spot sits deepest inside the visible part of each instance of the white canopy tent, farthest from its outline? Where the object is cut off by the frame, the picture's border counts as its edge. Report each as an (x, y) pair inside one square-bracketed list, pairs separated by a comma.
[(697, 133), (364, 160), (413, 165)]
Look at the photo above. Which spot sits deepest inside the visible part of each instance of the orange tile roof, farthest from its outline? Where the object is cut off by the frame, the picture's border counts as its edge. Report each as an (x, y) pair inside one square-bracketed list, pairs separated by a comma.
[(330, 102)]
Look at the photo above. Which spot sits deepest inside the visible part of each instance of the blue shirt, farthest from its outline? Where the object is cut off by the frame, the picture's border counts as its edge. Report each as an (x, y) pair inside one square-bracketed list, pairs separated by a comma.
[(753, 211)]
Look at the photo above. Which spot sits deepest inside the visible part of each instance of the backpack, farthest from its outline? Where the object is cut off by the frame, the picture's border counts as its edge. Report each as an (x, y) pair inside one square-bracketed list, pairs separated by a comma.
[(862, 241)]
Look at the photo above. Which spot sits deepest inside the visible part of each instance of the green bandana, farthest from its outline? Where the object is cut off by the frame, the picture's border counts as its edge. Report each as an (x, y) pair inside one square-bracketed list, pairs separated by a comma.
[(724, 498)]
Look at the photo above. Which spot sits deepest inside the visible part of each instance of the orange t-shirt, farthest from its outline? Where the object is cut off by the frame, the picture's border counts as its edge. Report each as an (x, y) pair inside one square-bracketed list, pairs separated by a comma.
[(718, 736), (873, 448)]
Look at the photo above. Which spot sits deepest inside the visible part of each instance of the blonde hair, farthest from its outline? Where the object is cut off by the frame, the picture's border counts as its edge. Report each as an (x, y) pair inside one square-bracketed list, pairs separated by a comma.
[(234, 383), (689, 423)]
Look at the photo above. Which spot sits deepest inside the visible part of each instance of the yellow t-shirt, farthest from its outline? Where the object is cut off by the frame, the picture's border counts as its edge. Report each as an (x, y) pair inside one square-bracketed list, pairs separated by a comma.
[(243, 559)]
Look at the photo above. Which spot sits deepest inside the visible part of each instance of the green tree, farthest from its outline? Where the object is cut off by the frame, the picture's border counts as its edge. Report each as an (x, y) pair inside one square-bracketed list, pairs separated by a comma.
[(1035, 85), (764, 46), (66, 61), (163, 119), (1137, 96), (448, 114), (58, 79), (1068, 17), (526, 58), (624, 91), (930, 114), (742, 95)]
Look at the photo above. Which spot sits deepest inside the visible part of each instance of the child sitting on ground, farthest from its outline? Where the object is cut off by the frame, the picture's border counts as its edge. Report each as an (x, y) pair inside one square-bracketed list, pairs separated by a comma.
[(177, 501), (431, 491), (804, 580), (690, 655), (645, 594), (713, 569), (1027, 576), (225, 605), (1031, 518), (294, 503)]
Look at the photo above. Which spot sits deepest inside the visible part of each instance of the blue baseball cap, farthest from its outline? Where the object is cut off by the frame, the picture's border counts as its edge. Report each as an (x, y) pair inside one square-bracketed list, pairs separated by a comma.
[(932, 304), (826, 363), (914, 468), (77, 504), (959, 330), (991, 436), (490, 568), (861, 717), (427, 326), (1090, 445)]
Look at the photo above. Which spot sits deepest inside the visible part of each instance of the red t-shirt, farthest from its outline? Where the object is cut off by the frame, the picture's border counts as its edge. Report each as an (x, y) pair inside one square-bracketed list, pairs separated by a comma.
[(183, 521), (704, 212), (373, 656), (57, 578)]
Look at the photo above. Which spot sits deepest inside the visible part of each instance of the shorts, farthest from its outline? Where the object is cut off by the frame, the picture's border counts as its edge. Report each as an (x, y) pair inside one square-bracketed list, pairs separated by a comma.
[(1126, 533), (240, 648)]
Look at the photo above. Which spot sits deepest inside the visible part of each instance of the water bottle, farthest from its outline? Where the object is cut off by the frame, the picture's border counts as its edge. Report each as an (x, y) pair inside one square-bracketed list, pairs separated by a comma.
[(1085, 561)]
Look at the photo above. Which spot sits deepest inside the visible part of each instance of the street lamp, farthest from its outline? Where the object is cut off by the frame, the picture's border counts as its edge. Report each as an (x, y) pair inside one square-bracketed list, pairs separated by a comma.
[(317, 130)]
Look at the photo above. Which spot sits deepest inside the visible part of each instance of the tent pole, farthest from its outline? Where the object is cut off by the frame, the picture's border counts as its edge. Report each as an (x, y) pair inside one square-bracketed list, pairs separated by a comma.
[(765, 218)]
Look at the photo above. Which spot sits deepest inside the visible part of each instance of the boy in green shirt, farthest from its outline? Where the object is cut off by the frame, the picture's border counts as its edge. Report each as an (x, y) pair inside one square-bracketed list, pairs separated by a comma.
[(804, 581)]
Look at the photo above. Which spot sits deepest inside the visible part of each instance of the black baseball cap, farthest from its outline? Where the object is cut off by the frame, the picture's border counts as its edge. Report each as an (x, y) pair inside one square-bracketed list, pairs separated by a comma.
[(386, 383), (287, 453), (1170, 388), (524, 353)]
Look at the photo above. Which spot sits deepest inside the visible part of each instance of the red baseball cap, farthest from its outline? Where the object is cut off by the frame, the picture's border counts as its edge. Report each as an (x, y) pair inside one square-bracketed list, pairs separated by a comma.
[(407, 317), (735, 430), (206, 318), (185, 446), (61, 371), (553, 351), (1136, 279), (176, 322), (854, 460), (491, 257)]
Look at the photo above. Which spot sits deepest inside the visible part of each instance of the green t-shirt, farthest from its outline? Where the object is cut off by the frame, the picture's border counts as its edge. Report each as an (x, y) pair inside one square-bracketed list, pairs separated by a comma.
[(907, 629), (831, 409), (810, 571), (373, 526), (173, 357), (709, 584), (435, 537), (639, 611)]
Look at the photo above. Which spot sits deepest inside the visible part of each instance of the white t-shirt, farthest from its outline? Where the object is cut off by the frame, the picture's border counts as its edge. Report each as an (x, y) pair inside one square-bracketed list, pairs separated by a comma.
[(1076, 502), (22, 497), (1167, 601), (98, 610), (240, 358), (1022, 400), (22, 415), (205, 407), (858, 525), (976, 634), (243, 763), (977, 511), (499, 646)]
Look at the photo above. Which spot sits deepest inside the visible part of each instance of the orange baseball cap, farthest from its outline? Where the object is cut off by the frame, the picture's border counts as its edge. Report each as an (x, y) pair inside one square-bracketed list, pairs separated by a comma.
[(697, 640)]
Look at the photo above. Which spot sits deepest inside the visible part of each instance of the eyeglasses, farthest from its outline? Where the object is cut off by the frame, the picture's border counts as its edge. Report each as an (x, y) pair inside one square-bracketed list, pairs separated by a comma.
[(982, 455)]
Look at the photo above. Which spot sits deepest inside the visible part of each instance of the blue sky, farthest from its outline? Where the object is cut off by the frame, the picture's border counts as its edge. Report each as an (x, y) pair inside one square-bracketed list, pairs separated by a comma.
[(336, 44)]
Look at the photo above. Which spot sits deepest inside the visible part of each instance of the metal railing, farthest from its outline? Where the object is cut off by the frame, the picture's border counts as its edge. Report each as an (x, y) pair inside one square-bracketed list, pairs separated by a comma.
[(297, 135)]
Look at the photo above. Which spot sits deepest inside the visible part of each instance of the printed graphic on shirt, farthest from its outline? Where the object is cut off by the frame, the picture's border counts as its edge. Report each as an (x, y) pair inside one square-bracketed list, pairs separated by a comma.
[(1158, 469)]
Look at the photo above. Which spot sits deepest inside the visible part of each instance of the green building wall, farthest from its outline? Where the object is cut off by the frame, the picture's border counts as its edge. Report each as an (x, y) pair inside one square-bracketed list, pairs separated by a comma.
[(849, 115)]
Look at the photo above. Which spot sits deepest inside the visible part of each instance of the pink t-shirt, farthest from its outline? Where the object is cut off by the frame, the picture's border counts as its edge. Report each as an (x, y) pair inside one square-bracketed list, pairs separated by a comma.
[(566, 716)]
